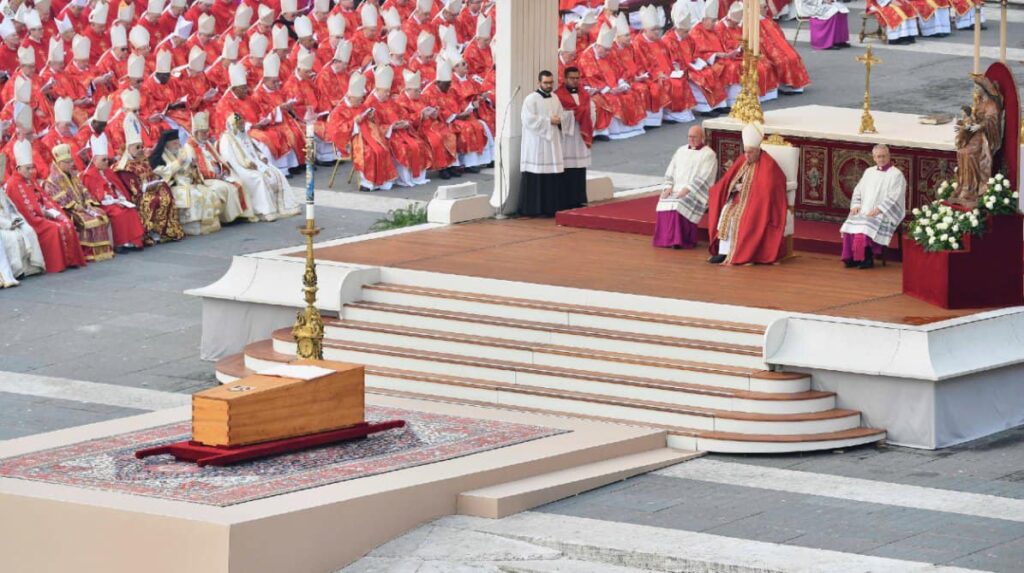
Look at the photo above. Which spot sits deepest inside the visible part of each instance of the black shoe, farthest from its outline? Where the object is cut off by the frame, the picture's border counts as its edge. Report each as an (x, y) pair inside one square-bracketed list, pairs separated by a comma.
[(455, 171), (869, 260), (444, 174), (473, 170), (602, 138), (849, 263), (490, 165), (717, 259), (843, 44)]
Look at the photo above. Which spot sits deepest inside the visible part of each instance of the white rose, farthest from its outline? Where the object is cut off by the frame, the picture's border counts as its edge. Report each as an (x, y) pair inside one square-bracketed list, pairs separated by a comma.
[(991, 180), (998, 187), (1016, 195), (929, 231), (956, 228), (916, 211), (974, 222), (931, 241), (955, 184), (942, 226), (947, 219), (944, 238), (1006, 201), (954, 245), (999, 176), (976, 212)]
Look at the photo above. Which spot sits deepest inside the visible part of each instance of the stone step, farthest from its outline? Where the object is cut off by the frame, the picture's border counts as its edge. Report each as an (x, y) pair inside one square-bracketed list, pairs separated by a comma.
[(566, 314), (509, 329), (506, 499)]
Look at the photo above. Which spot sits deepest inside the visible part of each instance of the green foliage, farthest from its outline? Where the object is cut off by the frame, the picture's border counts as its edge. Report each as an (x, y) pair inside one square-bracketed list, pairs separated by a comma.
[(414, 214)]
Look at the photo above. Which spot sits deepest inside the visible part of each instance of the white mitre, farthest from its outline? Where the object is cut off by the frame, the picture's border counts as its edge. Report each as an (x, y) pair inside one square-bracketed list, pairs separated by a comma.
[(753, 133)]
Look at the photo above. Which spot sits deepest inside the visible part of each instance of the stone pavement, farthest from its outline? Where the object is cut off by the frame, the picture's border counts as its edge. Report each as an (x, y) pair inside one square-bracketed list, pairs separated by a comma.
[(954, 510)]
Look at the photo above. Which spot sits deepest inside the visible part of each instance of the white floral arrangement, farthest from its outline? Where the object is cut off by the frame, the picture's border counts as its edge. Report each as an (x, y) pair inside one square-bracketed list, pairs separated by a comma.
[(941, 227)]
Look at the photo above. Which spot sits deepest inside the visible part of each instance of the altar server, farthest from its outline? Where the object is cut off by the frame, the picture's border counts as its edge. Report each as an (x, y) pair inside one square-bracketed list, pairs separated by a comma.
[(575, 142), (541, 161), (685, 198), (876, 211), (830, 28), (747, 207)]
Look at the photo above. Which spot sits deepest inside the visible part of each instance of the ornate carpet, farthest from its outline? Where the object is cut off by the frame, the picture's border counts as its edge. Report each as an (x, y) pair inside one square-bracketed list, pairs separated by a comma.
[(109, 463)]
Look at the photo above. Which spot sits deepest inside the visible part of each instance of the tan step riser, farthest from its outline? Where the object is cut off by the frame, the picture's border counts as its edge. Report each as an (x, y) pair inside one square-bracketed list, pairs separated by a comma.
[(523, 335), (620, 412), (541, 359), (675, 397), (563, 318), (512, 354)]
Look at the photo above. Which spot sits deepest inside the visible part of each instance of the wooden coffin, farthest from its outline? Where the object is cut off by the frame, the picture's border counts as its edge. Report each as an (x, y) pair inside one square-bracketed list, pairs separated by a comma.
[(261, 407)]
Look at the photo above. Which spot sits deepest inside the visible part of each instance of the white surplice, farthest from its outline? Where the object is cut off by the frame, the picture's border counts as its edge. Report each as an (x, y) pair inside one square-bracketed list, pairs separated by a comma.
[(882, 190), (819, 9), (695, 170)]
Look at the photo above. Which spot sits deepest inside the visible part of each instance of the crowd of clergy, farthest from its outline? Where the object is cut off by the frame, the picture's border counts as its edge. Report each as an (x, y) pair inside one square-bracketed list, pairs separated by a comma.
[(663, 64), (128, 124)]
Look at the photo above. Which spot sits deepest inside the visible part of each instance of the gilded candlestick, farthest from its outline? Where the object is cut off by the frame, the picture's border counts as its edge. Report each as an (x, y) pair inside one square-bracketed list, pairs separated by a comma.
[(309, 325), (748, 103), (867, 123)]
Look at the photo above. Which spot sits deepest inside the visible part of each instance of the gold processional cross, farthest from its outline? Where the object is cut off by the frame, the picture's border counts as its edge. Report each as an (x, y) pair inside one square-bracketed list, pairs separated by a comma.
[(867, 123)]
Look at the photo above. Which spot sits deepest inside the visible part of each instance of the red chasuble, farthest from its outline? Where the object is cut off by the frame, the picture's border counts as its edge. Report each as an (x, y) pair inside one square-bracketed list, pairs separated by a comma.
[(124, 221), (581, 111), (731, 38), (57, 237), (762, 217), (788, 64), (370, 151)]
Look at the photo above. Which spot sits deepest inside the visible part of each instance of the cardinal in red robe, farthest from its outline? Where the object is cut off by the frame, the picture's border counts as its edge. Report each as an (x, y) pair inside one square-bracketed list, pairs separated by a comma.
[(747, 208), (113, 196), (56, 231), (352, 129)]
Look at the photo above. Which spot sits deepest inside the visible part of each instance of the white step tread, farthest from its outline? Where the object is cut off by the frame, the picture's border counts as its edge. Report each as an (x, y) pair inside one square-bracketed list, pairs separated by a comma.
[(568, 308), (501, 500)]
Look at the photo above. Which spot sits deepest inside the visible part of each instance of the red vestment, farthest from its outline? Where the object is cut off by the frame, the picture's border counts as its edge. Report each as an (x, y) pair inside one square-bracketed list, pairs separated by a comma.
[(580, 110), (41, 158), (731, 37), (442, 140), (707, 43), (789, 66), (98, 43), (479, 60), (656, 91), (8, 59), (469, 132), (427, 69), (684, 53), (125, 222), (370, 150), (57, 237), (761, 221), (211, 47), (602, 75), (40, 48), (331, 86), (409, 149), (286, 133), (892, 15), (54, 137), (306, 97)]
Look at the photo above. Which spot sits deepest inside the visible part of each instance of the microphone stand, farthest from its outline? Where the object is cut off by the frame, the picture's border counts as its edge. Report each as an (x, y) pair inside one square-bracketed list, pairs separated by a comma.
[(501, 157)]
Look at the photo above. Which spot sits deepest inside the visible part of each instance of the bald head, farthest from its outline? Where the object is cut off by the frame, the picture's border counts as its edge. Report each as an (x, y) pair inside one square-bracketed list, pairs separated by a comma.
[(695, 137)]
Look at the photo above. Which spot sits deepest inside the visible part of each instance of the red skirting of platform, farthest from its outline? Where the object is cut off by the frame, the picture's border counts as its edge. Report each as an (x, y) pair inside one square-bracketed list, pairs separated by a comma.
[(638, 215), (957, 279)]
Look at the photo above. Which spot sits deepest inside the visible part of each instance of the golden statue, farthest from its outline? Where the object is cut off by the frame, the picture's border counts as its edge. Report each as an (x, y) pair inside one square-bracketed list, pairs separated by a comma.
[(979, 136)]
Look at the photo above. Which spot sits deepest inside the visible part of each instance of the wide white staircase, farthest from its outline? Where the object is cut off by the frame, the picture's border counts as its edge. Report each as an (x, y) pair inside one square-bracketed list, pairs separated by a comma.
[(702, 380)]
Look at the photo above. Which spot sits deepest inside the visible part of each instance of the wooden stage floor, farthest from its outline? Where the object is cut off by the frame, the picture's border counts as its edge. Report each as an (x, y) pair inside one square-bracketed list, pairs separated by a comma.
[(539, 251)]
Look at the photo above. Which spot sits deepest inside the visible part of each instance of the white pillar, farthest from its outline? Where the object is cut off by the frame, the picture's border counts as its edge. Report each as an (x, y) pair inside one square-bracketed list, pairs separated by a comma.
[(526, 43)]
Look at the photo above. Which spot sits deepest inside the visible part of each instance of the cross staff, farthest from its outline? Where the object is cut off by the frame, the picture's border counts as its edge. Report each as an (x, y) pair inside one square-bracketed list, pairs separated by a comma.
[(867, 123)]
